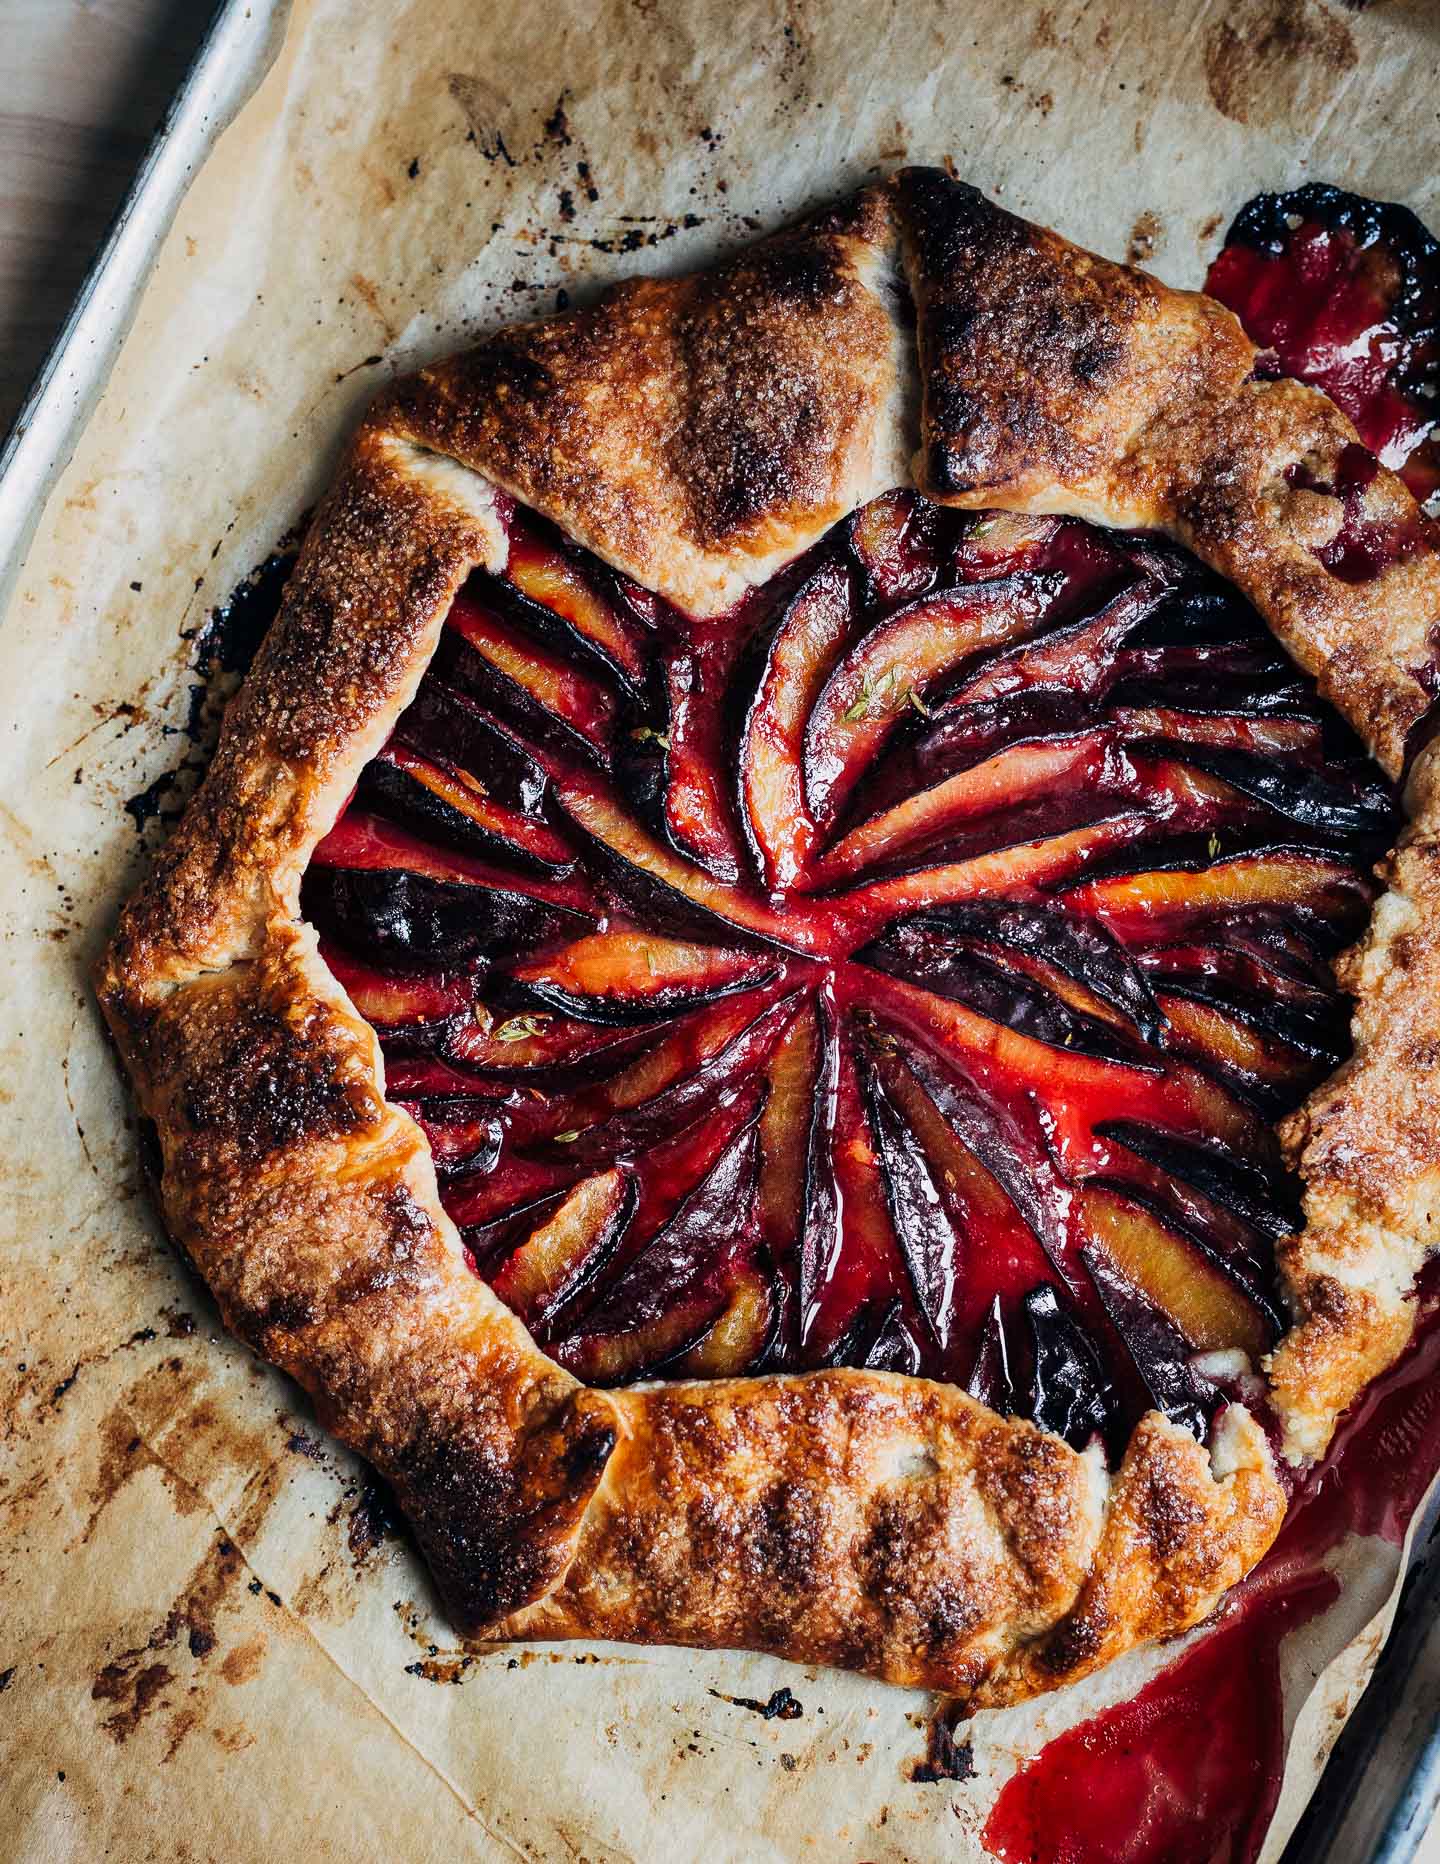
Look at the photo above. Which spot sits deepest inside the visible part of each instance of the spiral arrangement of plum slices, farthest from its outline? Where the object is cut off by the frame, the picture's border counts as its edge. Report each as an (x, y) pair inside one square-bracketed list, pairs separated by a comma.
[(904, 970)]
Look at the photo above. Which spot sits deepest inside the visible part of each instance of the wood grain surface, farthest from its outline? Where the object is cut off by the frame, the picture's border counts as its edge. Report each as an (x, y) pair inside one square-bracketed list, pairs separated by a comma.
[(86, 83)]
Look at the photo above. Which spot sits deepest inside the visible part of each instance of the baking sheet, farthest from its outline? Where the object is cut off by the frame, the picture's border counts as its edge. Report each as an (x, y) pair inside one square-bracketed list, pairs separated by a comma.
[(213, 1638)]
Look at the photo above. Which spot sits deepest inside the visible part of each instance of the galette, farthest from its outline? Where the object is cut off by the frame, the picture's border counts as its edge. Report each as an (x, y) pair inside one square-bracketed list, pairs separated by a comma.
[(750, 1001)]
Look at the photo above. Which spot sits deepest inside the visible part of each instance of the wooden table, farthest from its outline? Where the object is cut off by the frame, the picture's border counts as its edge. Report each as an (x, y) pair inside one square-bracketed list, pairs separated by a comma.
[(86, 82)]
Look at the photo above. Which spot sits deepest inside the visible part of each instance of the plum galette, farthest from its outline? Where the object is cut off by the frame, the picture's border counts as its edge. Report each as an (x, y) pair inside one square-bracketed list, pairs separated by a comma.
[(749, 1000)]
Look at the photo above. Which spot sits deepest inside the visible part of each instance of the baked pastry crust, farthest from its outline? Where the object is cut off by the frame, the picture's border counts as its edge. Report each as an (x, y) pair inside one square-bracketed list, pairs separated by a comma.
[(697, 433)]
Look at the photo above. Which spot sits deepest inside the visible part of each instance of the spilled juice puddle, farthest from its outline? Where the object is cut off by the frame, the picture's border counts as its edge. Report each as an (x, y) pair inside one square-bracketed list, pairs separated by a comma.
[(1188, 1771)]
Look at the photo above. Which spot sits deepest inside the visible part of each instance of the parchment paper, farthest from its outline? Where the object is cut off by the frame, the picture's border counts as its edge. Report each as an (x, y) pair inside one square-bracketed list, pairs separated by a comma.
[(211, 1642)]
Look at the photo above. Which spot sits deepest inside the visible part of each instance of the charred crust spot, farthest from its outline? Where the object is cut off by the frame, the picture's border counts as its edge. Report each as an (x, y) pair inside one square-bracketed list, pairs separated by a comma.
[(496, 1519), (264, 1090), (951, 224), (287, 1313), (785, 1537), (1075, 1644), (1171, 1518)]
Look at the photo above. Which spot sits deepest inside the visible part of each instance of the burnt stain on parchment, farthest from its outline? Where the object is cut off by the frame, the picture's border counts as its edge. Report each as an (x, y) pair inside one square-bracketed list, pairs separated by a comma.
[(221, 651), (782, 1705), (1144, 235), (946, 1757), (1276, 60), (171, 1671)]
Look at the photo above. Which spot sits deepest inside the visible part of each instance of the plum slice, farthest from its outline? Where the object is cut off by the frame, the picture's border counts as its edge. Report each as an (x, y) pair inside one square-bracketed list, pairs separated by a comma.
[(1015, 774), (808, 640), (893, 666), (624, 976), (373, 885), (669, 892), (415, 1008), (1081, 950), (1298, 880), (454, 807), (1070, 1393), (1076, 657), (1161, 1353), (922, 1226), (736, 1339), (677, 1287), (465, 1133), (1021, 865), (1207, 1305), (672, 1087), (896, 543), (564, 1255), (498, 664), (443, 723), (555, 589), (990, 1377), (1348, 809)]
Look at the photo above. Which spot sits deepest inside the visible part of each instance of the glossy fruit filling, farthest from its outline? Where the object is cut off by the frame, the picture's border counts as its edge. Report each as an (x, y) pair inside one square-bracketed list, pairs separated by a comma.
[(904, 970), (1344, 293)]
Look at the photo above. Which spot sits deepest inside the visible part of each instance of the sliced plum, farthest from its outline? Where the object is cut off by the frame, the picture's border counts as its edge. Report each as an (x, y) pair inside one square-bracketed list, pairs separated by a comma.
[(536, 1049), (1016, 774), (1076, 657), (1260, 1197), (443, 723), (669, 892), (565, 1254), (465, 1133), (404, 1005), (811, 633), (499, 665), (1161, 1353), (699, 785), (820, 1232), (624, 976), (1297, 880), (1081, 950), (622, 1119), (1350, 810), (892, 667), (563, 604), (736, 1340), (990, 1377), (453, 807), (1021, 865), (676, 1288), (375, 887), (922, 1227), (1070, 1393), (896, 543), (793, 1096), (1209, 1307)]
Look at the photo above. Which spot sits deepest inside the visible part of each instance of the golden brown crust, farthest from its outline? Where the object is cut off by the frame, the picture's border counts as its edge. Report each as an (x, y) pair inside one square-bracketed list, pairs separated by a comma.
[(695, 433), (1175, 1540), (881, 1523)]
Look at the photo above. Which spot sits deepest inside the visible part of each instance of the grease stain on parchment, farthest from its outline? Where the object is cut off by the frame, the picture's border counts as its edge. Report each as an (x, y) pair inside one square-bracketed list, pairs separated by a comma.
[(1276, 60), (146, 1678)]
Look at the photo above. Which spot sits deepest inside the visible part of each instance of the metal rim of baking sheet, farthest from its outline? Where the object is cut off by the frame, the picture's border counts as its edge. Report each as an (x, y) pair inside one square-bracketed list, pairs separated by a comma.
[(234, 55)]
